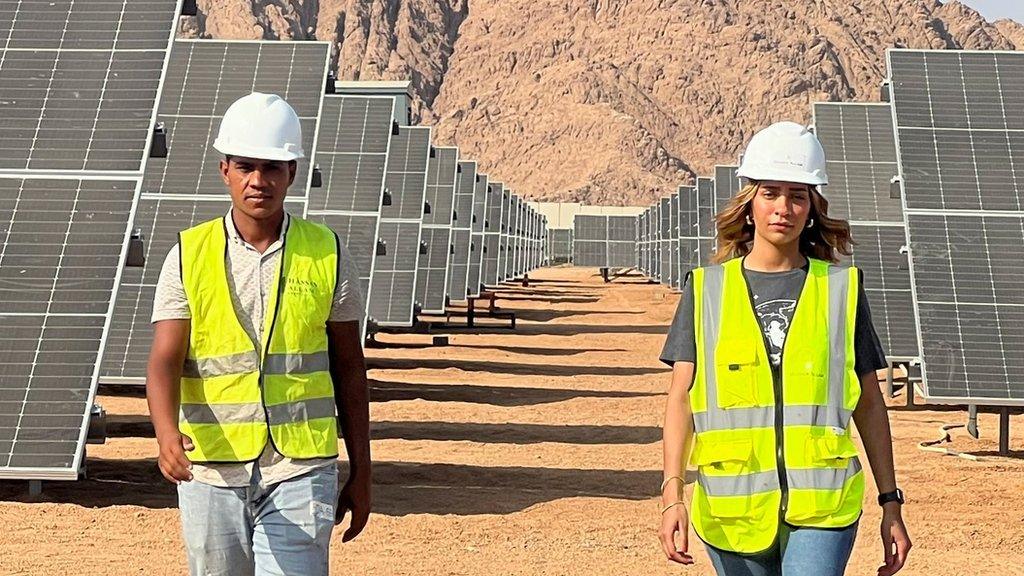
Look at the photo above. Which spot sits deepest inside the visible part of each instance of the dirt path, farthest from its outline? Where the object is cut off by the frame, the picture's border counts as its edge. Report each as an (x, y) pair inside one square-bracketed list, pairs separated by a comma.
[(528, 452)]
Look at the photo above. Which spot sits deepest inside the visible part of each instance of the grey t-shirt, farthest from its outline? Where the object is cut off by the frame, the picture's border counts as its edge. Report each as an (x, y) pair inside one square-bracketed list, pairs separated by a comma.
[(775, 295)]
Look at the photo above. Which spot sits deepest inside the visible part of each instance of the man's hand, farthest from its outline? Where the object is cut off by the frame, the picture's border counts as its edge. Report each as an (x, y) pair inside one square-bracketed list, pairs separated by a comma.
[(174, 465), (354, 497), (895, 540)]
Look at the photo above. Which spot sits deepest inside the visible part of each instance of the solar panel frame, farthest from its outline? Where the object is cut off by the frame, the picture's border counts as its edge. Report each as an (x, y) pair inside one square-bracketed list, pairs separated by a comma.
[(352, 141), (395, 273), (106, 201), (860, 151), (689, 246), (492, 233), (196, 59), (705, 219), (432, 277), (974, 221), (476, 251), (462, 229), (67, 417), (673, 243), (727, 185), (621, 237), (590, 240), (69, 54)]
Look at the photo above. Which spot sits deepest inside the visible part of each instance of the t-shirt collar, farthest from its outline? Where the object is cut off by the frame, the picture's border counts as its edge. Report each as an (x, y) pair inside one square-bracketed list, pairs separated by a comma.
[(229, 225)]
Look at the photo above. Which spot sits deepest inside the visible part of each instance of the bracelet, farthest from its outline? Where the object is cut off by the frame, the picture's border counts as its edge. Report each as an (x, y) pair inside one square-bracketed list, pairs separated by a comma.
[(669, 479), (667, 508)]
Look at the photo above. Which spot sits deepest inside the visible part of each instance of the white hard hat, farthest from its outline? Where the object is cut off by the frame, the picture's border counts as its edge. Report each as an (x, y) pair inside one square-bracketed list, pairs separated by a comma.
[(785, 152), (261, 126)]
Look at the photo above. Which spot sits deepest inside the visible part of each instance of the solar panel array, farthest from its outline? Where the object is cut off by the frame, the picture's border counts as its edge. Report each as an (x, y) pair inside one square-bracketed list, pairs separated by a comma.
[(959, 121), (78, 89), (860, 150)]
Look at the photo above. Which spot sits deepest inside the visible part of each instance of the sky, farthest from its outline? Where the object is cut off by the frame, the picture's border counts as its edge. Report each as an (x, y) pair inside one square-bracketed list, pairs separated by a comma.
[(995, 9)]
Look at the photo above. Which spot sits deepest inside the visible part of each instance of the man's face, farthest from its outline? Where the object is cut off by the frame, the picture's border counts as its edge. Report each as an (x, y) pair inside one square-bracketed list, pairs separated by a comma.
[(258, 187)]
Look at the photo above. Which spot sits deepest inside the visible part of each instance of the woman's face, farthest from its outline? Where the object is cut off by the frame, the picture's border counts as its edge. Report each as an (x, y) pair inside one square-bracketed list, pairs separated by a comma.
[(780, 211)]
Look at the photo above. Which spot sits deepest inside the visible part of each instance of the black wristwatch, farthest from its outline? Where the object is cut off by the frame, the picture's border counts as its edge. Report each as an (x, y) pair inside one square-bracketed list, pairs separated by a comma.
[(894, 496)]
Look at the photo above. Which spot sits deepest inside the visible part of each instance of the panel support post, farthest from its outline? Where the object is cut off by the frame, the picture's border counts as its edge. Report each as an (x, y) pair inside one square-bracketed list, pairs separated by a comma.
[(889, 393), (1004, 431), (35, 488)]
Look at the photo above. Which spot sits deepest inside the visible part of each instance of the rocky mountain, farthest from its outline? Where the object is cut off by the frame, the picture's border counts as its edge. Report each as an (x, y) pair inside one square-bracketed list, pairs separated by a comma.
[(610, 101)]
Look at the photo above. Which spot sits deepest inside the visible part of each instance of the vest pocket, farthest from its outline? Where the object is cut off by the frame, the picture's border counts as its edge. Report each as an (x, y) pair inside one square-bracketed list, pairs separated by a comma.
[(822, 490), (736, 375), (722, 467)]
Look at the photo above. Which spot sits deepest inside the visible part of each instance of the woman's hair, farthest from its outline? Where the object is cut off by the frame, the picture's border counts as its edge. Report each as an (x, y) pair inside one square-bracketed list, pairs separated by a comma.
[(822, 241)]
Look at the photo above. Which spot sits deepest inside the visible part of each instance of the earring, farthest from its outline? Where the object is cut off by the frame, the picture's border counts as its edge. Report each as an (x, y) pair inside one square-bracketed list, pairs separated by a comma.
[(749, 221), (810, 224)]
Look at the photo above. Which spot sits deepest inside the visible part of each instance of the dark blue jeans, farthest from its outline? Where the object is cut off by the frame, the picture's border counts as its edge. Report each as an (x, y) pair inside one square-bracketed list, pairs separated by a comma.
[(796, 552)]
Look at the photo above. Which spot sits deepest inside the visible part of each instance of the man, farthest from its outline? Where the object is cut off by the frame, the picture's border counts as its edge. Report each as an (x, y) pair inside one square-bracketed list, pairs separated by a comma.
[(256, 361)]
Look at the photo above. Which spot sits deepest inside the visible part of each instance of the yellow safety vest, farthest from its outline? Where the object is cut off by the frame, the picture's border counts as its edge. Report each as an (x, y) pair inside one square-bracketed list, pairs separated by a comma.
[(235, 392), (770, 449)]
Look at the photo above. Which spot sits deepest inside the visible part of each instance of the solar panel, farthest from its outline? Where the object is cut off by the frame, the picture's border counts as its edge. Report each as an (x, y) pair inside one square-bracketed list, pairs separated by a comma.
[(860, 152), (590, 240), (432, 278), (476, 247), (78, 87), (492, 233), (393, 284), (689, 245), (621, 241), (504, 227), (861, 160), (78, 82), (665, 240), (656, 241), (673, 242), (560, 245), (351, 152), (727, 185), (168, 204), (204, 77), (706, 229), (64, 240), (959, 120), (462, 222)]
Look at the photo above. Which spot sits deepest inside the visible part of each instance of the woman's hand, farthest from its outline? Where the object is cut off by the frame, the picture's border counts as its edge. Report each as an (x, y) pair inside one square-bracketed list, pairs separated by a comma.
[(894, 535), (674, 520)]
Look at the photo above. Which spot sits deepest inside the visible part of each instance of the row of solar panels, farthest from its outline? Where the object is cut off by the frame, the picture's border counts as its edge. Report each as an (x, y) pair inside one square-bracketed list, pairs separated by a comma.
[(107, 129), (929, 182)]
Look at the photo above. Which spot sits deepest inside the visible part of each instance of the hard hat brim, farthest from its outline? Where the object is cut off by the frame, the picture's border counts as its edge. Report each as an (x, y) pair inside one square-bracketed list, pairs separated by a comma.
[(276, 154), (779, 176)]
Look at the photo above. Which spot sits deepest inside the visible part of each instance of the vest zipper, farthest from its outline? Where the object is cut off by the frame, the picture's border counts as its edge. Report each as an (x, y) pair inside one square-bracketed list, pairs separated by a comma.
[(780, 435), (266, 346)]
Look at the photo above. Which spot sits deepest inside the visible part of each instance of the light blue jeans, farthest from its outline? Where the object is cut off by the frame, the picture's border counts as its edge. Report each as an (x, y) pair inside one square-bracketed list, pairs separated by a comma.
[(796, 552), (280, 529)]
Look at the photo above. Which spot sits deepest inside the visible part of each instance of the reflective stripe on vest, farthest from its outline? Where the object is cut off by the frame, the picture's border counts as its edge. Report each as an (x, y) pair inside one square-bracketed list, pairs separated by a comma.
[(734, 410), (235, 393)]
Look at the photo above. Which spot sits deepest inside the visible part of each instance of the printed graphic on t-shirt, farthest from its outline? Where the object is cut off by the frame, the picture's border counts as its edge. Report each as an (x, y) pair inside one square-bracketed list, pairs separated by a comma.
[(775, 316)]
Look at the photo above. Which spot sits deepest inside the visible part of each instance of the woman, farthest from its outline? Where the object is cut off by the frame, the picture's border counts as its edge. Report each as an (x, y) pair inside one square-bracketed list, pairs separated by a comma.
[(773, 352)]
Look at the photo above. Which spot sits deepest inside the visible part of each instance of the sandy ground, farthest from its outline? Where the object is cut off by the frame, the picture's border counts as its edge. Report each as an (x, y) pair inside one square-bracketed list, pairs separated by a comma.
[(533, 451)]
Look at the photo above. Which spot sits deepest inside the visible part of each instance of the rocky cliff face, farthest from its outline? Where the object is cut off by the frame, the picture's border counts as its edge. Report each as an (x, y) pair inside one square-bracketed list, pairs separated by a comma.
[(610, 101)]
